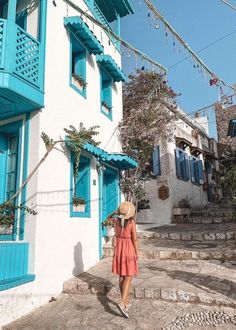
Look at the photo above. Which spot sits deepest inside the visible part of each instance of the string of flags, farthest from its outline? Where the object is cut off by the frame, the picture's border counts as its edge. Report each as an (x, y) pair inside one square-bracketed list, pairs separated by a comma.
[(213, 79)]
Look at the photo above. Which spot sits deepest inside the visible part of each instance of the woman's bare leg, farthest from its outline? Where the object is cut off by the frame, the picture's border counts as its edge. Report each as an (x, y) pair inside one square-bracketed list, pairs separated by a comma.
[(125, 289), (121, 280)]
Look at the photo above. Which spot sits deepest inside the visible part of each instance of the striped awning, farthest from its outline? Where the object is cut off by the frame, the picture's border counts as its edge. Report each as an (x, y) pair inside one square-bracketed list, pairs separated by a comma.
[(81, 30), (111, 67)]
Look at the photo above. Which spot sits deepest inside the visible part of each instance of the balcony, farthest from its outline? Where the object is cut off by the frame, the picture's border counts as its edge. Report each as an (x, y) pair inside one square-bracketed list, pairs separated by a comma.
[(21, 71)]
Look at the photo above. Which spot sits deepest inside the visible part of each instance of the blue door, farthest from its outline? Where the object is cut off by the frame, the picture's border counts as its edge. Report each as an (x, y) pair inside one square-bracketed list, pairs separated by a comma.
[(3, 166), (110, 193)]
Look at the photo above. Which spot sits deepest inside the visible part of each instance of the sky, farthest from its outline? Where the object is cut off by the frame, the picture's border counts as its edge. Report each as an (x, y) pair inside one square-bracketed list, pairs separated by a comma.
[(199, 23)]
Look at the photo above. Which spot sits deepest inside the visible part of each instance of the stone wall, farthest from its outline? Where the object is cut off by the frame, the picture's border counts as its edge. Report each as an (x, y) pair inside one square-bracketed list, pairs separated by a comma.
[(223, 117)]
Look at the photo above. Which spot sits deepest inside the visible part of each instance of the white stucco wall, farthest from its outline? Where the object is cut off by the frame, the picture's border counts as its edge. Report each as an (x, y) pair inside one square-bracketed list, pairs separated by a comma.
[(61, 246)]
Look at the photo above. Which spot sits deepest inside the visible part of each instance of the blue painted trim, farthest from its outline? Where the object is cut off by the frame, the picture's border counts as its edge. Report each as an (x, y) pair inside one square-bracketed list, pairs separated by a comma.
[(87, 213), (100, 185), (232, 128), (7, 284), (84, 91), (42, 39), (25, 173)]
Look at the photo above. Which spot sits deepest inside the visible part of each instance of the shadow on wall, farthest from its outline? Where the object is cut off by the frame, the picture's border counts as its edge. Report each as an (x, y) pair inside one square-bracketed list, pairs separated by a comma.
[(78, 259)]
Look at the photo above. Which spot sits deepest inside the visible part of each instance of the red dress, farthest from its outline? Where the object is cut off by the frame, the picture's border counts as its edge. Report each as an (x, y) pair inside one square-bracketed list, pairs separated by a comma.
[(125, 261)]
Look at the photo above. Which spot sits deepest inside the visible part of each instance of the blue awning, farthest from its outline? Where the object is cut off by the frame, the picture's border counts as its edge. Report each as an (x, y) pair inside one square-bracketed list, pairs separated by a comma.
[(121, 161), (112, 8), (232, 128), (85, 35), (111, 67)]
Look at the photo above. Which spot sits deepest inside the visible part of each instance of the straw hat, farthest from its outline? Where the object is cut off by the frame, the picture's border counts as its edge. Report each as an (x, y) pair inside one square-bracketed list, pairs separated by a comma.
[(127, 209)]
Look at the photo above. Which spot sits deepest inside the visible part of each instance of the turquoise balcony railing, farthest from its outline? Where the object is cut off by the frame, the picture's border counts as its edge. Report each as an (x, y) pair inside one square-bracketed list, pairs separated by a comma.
[(21, 71)]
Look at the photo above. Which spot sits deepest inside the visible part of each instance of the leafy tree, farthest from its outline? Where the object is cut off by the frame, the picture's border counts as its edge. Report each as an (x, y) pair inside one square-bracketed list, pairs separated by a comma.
[(149, 111)]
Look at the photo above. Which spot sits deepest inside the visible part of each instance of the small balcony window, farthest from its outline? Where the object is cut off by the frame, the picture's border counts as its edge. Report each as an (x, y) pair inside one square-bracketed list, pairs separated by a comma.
[(78, 67), (106, 94)]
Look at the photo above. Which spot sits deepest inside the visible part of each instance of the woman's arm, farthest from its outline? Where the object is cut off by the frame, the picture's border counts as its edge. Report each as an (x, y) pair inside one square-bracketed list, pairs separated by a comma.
[(134, 237)]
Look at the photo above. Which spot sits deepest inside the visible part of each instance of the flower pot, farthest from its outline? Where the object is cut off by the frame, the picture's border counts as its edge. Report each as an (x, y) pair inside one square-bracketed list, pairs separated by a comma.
[(79, 208), (110, 234)]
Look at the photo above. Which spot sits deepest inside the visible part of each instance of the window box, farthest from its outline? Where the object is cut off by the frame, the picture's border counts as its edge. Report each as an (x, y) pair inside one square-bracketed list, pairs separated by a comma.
[(78, 82)]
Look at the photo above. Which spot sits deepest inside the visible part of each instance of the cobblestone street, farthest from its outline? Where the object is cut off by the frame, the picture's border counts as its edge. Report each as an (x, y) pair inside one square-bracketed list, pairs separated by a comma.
[(93, 312)]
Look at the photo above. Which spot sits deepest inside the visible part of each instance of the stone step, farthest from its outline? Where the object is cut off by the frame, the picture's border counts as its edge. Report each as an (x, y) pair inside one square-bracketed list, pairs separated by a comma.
[(191, 232), (204, 282), (181, 250), (213, 213), (203, 219)]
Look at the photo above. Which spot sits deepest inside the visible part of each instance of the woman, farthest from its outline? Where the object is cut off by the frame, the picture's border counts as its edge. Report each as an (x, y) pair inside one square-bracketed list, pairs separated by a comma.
[(125, 259)]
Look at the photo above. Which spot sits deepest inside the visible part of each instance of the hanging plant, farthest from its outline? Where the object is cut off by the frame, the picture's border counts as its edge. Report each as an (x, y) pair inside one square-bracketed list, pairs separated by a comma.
[(75, 140), (8, 210)]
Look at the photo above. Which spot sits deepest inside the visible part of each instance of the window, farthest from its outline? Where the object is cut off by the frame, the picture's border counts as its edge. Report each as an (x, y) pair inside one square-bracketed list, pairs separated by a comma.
[(81, 187), (106, 94), (182, 164), (21, 19), (78, 66), (196, 169), (156, 161)]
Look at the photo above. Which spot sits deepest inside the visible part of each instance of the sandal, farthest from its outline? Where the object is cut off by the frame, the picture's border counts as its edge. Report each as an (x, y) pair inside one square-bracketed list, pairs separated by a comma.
[(123, 310)]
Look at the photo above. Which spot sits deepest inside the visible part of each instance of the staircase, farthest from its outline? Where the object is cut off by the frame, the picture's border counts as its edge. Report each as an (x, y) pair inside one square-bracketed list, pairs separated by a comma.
[(193, 262)]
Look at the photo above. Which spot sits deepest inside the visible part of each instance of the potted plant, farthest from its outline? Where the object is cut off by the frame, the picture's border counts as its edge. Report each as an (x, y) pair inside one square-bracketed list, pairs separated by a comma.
[(79, 204), (109, 225), (183, 208), (106, 107)]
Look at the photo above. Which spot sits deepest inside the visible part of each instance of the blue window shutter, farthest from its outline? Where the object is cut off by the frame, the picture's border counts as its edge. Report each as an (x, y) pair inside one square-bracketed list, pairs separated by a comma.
[(79, 62), (82, 181), (156, 161), (200, 172), (186, 167), (3, 166), (192, 172), (106, 92), (177, 162)]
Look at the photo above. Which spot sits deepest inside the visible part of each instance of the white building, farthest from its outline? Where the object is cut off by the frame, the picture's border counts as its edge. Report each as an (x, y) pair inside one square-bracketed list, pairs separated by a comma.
[(186, 170), (57, 68)]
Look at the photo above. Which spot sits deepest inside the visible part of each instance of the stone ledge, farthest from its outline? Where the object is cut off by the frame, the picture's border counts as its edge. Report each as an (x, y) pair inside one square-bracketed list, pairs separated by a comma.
[(166, 294)]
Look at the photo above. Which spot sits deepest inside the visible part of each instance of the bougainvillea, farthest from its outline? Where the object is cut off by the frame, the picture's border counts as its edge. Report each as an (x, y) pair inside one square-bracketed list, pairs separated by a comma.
[(148, 116)]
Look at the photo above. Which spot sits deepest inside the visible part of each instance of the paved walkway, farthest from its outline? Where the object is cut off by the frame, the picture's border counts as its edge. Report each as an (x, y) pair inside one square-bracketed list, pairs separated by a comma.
[(93, 312), (203, 281)]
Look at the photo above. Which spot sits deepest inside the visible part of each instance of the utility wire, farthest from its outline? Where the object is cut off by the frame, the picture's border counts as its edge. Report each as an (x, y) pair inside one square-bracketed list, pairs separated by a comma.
[(181, 40), (202, 49), (114, 35), (228, 4)]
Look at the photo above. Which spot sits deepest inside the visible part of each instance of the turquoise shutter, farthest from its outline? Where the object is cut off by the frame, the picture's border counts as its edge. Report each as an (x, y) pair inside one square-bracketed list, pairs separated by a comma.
[(177, 162), (106, 92), (200, 172), (82, 181), (3, 166), (80, 64), (186, 167), (192, 172), (156, 162)]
